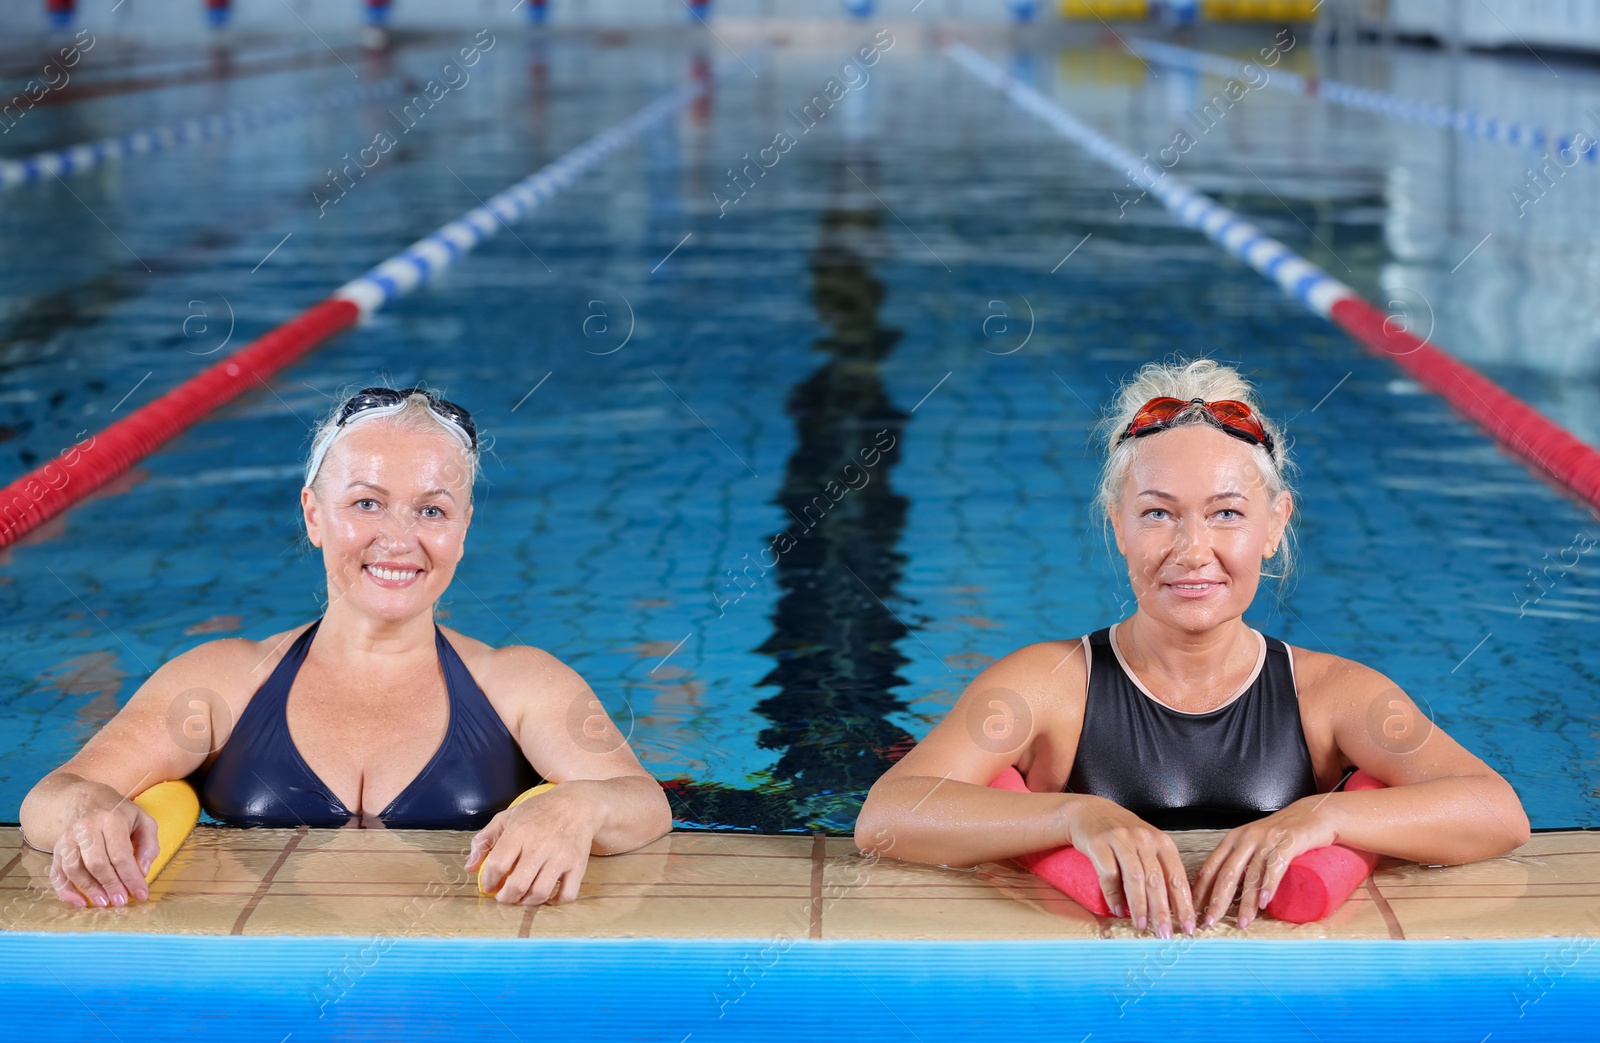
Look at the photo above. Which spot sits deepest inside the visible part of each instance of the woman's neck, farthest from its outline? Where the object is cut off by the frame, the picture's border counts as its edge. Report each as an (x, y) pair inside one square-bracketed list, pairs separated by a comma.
[(1194, 662), (356, 636)]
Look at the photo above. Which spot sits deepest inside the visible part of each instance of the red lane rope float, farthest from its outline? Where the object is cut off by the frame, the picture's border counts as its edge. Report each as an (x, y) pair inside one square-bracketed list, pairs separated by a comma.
[(50, 489), (47, 491), (1519, 427), (208, 74), (1539, 440)]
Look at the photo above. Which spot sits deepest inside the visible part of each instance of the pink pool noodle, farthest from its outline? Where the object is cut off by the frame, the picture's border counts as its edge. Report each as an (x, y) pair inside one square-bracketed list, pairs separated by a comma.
[(1315, 884), (1066, 869), (1318, 881)]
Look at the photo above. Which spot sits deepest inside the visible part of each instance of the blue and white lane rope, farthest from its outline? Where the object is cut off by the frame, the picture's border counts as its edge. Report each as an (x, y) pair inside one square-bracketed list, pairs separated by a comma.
[(202, 128), (1472, 124), (430, 255), (1315, 287)]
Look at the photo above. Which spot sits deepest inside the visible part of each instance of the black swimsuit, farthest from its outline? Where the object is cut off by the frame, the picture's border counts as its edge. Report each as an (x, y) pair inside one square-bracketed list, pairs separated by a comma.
[(260, 779), (1213, 770)]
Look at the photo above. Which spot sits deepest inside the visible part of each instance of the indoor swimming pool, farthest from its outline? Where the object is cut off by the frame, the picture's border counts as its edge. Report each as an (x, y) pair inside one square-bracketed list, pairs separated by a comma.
[(785, 340), (675, 358)]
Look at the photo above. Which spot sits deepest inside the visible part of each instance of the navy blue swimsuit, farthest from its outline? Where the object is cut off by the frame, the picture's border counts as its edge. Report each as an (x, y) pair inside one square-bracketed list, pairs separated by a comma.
[(260, 779)]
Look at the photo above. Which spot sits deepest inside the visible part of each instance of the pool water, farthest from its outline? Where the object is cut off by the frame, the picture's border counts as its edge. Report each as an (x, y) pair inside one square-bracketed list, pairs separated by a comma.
[(669, 381)]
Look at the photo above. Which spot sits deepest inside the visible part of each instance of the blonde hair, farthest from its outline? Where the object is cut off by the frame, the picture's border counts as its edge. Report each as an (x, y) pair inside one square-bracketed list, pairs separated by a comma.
[(1189, 379), (414, 414)]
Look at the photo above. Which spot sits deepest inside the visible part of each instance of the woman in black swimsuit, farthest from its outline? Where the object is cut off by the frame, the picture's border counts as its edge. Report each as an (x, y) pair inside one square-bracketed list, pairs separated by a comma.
[(372, 715), (1181, 716)]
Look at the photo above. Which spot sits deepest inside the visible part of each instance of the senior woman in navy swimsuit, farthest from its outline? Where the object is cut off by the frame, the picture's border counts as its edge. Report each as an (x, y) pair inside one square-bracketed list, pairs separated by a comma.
[(1182, 716), (372, 715)]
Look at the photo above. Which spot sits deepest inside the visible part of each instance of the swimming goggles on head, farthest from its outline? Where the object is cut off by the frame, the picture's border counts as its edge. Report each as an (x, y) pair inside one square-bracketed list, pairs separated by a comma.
[(376, 402), (1232, 416)]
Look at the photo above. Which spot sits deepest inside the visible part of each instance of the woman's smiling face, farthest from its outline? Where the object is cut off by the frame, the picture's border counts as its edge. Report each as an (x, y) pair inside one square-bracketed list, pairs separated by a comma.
[(390, 513), (1194, 521)]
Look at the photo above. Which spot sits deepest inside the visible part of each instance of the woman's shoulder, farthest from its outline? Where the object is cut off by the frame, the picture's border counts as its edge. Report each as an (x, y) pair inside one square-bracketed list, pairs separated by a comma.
[(510, 667), (1044, 668), (236, 662), (1324, 675)]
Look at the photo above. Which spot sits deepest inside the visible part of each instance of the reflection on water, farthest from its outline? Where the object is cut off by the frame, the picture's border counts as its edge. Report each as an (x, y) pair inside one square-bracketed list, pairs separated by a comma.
[(838, 564)]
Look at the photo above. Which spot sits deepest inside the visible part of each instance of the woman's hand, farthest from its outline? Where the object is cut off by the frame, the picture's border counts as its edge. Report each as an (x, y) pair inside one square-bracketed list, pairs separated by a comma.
[(1140, 871), (104, 851), (526, 852), (1251, 860)]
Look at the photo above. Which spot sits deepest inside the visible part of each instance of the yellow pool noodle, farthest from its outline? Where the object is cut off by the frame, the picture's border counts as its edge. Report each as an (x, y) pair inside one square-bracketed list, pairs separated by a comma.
[(524, 795), (176, 809)]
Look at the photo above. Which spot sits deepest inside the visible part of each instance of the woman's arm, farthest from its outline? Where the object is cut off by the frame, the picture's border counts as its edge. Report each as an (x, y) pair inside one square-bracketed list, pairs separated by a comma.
[(935, 804), (1443, 806), (606, 802), (101, 843)]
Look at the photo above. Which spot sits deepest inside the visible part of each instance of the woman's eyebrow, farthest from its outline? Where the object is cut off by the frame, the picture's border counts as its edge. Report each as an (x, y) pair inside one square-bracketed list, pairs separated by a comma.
[(375, 487), (1230, 495)]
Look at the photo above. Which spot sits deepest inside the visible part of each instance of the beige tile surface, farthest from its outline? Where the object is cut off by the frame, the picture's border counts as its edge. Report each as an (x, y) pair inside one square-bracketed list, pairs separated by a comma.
[(405, 883), (864, 897), (1550, 886)]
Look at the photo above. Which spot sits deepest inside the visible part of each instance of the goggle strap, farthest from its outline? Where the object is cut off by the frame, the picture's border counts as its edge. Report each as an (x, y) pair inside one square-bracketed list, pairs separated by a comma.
[(371, 413)]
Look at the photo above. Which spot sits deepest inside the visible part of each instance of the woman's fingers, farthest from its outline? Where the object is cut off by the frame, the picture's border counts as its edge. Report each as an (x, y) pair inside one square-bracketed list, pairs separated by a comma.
[(97, 860), (483, 842), (62, 882), (1207, 884), (75, 867), (1178, 884), (544, 884), (1167, 885), (1143, 878), (1262, 878), (1204, 879), (1104, 859), (571, 881), (1277, 866), (555, 881), (1155, 878), (123, 879), (530, 883), (1226, 882), (496, 865), (146, 848), (1250, 892), (1248, 867), (1131, 867)]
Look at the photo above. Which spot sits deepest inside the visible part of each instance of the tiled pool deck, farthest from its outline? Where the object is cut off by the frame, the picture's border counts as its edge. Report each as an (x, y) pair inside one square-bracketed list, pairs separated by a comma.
[(689, 885)]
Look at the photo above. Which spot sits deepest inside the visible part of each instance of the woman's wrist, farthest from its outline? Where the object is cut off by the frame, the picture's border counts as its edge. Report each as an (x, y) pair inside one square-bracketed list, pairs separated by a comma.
[(1068, 818), (1330, 817)]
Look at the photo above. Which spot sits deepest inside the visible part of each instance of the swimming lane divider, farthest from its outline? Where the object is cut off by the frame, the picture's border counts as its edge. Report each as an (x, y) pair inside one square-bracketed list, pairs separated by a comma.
[(1472, 124), (1519, 427), (74, 158), (423, 259), (57, 485)]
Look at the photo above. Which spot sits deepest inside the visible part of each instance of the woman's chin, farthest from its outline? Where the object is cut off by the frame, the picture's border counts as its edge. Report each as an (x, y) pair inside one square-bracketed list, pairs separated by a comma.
[(1195, 615), (391, 606)]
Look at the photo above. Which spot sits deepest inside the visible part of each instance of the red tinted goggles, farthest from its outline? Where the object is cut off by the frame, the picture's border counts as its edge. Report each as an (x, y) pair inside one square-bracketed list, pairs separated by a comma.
[(1233, 417)]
